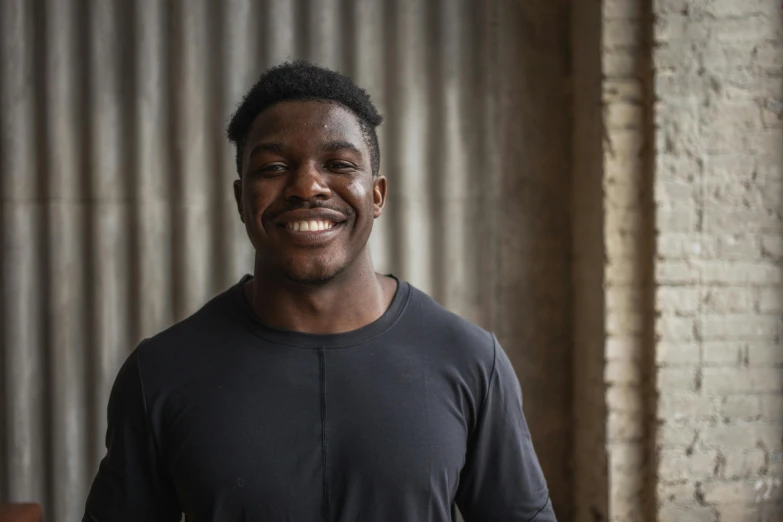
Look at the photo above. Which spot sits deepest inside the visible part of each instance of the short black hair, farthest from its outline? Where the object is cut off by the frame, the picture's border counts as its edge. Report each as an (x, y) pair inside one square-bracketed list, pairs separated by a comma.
[(301, 80)]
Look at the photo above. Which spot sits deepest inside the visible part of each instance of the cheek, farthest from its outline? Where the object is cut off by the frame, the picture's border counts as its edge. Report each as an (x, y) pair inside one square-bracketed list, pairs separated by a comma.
[(255, 199), (361, 192)]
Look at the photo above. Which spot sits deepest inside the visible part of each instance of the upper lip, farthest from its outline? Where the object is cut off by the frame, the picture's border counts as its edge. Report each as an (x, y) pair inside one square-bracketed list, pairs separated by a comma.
[(312, 214)]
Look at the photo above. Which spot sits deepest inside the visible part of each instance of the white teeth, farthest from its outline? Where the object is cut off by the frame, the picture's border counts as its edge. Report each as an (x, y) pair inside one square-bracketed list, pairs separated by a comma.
[(309, 226)]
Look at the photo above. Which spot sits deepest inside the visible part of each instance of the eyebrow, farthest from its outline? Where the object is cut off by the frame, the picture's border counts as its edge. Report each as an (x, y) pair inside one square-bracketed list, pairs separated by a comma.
[(269, 147), (334, 146)]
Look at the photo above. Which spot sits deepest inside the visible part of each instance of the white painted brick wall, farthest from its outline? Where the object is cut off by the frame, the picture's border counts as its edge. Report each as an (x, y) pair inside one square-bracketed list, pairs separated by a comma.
[(718, 68)]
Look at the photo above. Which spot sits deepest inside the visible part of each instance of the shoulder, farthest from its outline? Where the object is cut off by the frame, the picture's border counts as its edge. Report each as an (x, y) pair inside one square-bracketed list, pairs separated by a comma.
[(448, 334), (200, 331)]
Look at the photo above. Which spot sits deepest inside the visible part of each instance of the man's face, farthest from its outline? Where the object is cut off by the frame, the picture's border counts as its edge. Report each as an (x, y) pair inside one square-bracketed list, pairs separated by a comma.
[(307, 195)]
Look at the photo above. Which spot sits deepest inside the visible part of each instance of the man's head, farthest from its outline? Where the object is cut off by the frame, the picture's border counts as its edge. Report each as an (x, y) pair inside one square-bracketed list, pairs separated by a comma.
[(304, 81), (308, 161)]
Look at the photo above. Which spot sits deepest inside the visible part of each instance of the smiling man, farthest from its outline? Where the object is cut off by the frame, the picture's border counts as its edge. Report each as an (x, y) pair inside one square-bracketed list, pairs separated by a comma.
[(316, 389)]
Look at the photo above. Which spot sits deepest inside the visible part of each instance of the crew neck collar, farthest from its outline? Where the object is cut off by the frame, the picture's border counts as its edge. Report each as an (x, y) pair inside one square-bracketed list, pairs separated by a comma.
[(311, 340)]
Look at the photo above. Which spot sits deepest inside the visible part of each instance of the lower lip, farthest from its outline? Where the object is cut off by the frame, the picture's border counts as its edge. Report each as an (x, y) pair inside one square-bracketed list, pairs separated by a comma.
[(312, 237)]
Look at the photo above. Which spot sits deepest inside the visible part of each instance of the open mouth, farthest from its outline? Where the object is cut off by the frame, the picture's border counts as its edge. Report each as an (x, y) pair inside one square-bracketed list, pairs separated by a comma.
[(313, 225)]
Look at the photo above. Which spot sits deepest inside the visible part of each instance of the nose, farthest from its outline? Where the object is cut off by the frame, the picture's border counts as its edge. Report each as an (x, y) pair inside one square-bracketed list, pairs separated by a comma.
[(307, 183)]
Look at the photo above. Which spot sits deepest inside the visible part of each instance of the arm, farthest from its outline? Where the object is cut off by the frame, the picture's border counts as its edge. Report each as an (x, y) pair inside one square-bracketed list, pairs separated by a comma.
[(130, 484), (502, 479)]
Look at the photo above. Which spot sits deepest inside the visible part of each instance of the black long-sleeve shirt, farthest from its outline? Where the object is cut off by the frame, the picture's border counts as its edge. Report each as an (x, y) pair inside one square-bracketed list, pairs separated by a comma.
[(226, 419)]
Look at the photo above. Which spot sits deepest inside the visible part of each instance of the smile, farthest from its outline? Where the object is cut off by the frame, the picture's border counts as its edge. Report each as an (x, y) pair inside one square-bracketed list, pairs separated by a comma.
[(313, 225)]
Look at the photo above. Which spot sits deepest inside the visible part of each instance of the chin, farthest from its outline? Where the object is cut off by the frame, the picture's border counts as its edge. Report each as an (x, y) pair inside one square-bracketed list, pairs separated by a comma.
[(313, 275)]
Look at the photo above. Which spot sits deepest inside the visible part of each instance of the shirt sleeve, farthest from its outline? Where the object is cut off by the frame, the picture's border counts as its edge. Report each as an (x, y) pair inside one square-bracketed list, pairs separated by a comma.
[(130, 484), (502, 479)]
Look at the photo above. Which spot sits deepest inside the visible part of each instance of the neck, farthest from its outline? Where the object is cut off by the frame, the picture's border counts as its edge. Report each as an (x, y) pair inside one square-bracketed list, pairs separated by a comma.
[(355, 298)]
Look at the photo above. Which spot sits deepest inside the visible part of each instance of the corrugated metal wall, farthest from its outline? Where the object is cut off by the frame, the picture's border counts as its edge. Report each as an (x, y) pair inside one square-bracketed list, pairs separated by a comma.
[(117, 211)]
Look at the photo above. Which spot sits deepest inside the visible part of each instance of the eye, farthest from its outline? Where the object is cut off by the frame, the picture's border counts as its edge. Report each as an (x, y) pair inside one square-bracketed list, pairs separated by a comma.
[(271, 170), (339, 165)]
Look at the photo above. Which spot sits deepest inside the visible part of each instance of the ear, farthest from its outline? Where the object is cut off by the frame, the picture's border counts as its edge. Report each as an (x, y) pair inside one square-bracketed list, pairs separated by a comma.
[(238, 197), (378, 195)]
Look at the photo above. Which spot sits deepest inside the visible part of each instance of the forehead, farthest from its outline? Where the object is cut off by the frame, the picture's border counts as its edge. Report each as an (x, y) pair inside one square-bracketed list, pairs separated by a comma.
[(306, 121)]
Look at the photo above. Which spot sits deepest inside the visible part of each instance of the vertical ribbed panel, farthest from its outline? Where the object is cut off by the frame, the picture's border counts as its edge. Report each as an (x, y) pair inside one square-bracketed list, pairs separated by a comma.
[(118, 215)]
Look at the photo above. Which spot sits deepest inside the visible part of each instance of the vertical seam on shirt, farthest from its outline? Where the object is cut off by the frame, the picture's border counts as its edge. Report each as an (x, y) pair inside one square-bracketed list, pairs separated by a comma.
[(324, 435)]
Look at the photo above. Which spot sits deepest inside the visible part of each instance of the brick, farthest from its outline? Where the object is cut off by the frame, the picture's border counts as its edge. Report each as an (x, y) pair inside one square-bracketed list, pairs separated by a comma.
[(769, 55), (625, 456), (677, 132), (676, 464), (771, 512), (622, 246), (624, 348), (676, 272), (617, 63), (677, 405), (740, 407), (770, 299), (723, 380), (736, 272), (727, 299), (739, 326), (624, 426), (627, 91), (744, 29), (677, 246), (671, 57), (620, 34), (676, 379), (675, 435), (676, 219), (622, 372), (623, 298), (718, 57), (737, 114), (624, 400), (739, 513), (623, 169), (677, 300), (624, 145), (772, 246), (623, 322), (675, 328), (723, 353), (677, 354), (676, 193), (732, 221), (732, 8), (738, 492), (672, 85), (622, 9), (619, 195), (740, 247), (621, 272), (622, 221), (673, 512), (765, 354), (743, 464), (679, 29), (771, 408), (671, 167), (742, 436), (676, 493), (623, 115)]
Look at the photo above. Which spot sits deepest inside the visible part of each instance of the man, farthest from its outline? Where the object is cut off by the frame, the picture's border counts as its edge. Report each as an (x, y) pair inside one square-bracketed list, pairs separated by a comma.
[(317, 389)]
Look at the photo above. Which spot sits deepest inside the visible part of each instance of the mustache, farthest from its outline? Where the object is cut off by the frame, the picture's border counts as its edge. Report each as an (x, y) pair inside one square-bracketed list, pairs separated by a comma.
[(312, 205)]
